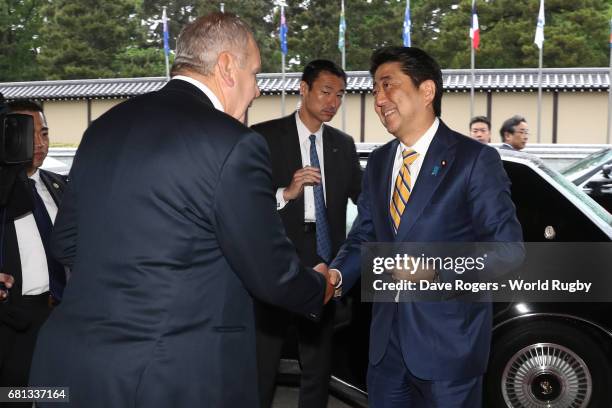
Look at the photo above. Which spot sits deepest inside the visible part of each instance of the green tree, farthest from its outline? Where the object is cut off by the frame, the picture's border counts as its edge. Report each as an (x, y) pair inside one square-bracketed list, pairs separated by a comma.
[(575, 34), (82, 38), (20, 23)]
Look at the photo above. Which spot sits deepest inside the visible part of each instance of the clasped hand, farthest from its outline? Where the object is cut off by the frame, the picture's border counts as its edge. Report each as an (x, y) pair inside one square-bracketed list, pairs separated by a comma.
[(6, 282), (331, 277)]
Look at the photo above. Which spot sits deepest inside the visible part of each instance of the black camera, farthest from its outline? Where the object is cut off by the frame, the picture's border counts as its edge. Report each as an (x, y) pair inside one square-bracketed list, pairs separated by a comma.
[(16, 148)]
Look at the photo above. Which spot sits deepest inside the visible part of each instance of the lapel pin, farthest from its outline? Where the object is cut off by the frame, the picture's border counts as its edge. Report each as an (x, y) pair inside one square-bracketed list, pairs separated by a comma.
[(55, 185), (335, 149), (435, 171), (443, 163)]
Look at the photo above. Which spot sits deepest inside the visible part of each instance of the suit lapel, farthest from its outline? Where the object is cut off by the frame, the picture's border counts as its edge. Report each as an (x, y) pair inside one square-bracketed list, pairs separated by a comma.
[(438, 159), (53, 185), (383, 170)]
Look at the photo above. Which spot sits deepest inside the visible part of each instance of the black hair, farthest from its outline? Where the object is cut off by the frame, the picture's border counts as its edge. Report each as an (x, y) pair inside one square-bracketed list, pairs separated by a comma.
[(481, 119), (24, 105), (509, 125), (415, 63), (315, 67)]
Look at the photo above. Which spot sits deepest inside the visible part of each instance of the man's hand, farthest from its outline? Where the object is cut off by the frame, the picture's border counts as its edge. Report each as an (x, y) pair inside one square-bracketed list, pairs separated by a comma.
[(329, 287), (307, 176), (6, 282)]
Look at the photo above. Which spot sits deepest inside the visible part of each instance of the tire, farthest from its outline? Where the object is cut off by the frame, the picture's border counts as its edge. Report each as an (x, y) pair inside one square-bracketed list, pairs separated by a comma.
[(549, 364)]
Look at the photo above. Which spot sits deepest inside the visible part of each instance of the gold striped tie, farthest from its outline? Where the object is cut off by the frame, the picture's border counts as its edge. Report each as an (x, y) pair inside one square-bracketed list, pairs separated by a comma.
[(401, 191)]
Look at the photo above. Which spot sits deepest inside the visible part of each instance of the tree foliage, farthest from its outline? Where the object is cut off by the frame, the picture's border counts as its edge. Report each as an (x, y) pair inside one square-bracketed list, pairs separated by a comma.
[(64, 39)]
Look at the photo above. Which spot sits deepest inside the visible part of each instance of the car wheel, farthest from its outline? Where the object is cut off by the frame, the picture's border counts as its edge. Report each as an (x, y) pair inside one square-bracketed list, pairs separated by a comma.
[(543, 364)]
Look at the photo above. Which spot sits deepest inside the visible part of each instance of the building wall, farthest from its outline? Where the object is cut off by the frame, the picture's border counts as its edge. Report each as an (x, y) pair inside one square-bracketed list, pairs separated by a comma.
[(99, 106), (582, 116), (456, 109), (67, 120), (508, 104)]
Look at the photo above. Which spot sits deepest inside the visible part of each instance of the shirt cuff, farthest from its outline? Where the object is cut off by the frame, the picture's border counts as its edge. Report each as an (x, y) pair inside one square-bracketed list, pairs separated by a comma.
[(339, 284), (280, 200)]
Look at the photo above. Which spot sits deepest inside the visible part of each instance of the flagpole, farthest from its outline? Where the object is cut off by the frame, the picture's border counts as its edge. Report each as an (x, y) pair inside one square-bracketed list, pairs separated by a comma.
[(609, 133), (473, 58), (344, 69), (540, 95), (166, 45), (474, 43), (282, 5)]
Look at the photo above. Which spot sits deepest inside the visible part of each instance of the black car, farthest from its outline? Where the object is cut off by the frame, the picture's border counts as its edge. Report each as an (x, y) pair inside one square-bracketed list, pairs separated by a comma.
[(592, 174), (543, 354)]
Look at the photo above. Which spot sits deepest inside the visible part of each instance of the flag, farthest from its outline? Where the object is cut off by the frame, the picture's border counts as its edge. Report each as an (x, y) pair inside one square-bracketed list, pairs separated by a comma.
[(611, 33), (283, 31), (407, 25), (341, 29), (166, 33), (539, 35), (475, 28)]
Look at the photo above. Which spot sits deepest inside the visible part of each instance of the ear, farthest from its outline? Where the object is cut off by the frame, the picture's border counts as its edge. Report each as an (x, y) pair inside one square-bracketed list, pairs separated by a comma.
[(428, 90), (303, 88), (225, 65)]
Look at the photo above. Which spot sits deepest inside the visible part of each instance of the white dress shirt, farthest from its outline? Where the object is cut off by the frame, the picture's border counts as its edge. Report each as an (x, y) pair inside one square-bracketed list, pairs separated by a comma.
[(213, 98), (421, 146), (34, 270), (304, 140)]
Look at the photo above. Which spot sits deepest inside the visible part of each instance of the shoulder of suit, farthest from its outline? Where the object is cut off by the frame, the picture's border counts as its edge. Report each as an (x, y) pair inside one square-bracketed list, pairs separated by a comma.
[(337, 134), (52, 179), (273, 126)]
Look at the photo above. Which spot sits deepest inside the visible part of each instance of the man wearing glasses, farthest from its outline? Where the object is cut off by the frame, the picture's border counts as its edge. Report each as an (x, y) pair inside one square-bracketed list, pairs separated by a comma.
[(514, 133)]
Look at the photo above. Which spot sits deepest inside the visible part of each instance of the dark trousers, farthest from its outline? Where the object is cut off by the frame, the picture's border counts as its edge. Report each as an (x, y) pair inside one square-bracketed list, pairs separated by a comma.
[(19, 325), (392, 385), (314, 344)]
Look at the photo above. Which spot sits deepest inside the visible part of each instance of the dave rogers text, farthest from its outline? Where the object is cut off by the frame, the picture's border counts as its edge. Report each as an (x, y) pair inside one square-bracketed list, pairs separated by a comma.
[(550, 285)]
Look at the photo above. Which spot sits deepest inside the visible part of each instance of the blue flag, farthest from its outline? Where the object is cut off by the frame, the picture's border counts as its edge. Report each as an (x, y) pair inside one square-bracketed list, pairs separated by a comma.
[(283, 31), (407, 25), (166, 34)]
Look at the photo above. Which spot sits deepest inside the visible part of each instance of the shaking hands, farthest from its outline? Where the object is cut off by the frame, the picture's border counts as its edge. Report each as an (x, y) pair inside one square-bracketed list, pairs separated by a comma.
[(332, 278), (6, 282)]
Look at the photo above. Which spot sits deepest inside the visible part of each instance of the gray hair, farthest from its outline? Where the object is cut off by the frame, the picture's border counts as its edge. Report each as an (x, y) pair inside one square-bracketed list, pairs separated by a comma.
[(509, 124), (201, 41)]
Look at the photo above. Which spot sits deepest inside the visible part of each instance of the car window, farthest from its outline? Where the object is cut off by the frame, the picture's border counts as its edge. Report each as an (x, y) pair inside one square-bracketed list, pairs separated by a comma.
[(542, 209), (539, 205), (593, 160)]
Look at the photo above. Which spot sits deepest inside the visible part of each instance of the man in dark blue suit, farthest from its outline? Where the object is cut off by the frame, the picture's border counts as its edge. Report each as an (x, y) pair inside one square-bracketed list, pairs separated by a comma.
[(170, 225), (430, 184)]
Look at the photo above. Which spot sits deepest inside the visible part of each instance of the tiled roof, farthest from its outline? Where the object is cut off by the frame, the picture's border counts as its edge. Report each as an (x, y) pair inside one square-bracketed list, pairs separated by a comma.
[(455, 80)]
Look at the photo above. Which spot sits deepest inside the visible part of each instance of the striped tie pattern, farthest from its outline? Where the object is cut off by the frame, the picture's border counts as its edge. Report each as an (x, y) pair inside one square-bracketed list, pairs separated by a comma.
[(401, 190)]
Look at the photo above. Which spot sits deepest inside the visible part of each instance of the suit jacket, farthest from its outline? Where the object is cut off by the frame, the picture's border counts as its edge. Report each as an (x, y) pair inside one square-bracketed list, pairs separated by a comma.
[(19, 204), (170, 224), (342, 175), (466, 200), (506, 146)]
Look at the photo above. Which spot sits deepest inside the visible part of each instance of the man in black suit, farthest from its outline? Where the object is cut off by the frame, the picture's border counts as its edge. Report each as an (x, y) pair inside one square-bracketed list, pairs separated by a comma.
[(34, 280), (315, 170), (514, 133), (169, 222)]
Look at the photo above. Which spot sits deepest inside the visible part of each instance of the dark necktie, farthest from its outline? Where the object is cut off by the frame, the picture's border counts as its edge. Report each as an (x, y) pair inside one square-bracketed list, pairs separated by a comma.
[(57, 274), (323, 239)]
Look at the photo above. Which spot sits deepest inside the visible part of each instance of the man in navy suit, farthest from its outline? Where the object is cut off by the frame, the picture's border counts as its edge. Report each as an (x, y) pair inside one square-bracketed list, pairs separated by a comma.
[(34, 279), (430, 184), (170, 224)]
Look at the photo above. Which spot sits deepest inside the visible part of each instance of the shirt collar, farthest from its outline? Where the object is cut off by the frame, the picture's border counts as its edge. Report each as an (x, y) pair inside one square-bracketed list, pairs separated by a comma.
[(304, 133), (211, 95), (422, 145), (36, 177)]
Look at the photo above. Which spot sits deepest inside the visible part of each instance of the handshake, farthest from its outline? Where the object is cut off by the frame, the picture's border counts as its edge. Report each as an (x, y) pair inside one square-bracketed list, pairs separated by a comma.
[(332, 277)]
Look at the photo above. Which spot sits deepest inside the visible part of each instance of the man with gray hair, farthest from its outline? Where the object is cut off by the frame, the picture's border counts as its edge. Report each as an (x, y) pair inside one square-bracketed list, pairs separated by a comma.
[(170, 226), (514, 133)]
